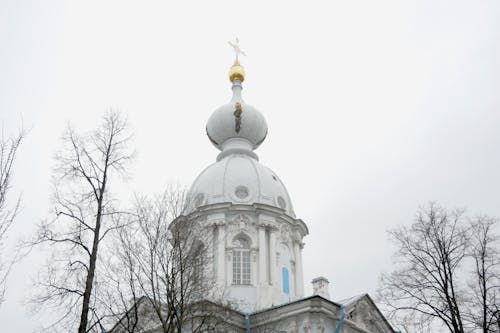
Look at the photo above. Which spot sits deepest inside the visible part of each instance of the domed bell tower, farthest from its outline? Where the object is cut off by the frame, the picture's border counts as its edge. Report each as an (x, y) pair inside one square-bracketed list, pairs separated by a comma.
[(255, 237)]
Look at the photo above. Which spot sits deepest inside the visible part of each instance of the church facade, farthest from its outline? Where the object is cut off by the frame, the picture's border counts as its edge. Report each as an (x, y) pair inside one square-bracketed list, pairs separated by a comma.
[(244, 214)]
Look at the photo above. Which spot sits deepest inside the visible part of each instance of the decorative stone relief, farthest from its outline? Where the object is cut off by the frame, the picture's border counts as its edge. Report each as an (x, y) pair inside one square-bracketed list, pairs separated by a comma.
[(306, 327), (297, 236), (241, 192), (285, 232), (321, 325), (241, 221), (217, 222)]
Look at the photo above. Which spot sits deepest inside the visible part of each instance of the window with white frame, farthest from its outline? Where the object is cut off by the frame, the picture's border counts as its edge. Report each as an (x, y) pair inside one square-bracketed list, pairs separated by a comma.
[(241, 261)]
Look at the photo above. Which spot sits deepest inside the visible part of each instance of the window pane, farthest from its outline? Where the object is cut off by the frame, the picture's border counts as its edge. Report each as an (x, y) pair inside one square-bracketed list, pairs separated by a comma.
[(245, 267), (286, 283), (236, 267), (241, 267)]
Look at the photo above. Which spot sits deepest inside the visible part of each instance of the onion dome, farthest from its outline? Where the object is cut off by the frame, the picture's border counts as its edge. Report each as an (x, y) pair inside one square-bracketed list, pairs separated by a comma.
[(236, 126), (237, 129)]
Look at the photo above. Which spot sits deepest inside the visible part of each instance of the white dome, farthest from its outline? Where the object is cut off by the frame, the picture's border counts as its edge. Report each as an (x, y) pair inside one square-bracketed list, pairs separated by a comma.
[(236, 120), (240, 179)]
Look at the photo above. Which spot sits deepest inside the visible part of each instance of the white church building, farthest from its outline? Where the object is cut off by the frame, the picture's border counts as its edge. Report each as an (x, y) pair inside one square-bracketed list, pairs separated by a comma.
[(257, 239)]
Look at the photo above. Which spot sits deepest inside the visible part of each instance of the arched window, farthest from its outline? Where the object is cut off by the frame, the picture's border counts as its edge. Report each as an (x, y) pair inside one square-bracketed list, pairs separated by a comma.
[(241, 261), (197, 262)]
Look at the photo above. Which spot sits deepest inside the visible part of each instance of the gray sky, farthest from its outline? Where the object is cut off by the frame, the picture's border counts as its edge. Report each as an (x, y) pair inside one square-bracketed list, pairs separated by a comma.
[(373, 107)]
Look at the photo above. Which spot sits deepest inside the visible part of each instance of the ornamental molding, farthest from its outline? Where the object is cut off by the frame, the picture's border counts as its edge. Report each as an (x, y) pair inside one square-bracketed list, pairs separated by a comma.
[(268, 212), (306, 327), (321, 325), (242, 220), (284, 233), (292, 328), (241, 223)]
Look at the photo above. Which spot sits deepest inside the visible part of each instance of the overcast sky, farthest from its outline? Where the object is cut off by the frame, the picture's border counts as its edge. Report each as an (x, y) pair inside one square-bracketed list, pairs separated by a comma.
[(373, 107)]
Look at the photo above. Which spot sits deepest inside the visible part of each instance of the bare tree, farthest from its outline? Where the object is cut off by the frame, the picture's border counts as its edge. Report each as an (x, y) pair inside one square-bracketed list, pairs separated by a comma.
[(8, 151), (425, 286), (484, 295), (83, 215), (448, 271), (159, 277)]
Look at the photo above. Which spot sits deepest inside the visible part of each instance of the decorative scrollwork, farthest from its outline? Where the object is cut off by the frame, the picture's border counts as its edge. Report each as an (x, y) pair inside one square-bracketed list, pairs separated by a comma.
[(237, 117)]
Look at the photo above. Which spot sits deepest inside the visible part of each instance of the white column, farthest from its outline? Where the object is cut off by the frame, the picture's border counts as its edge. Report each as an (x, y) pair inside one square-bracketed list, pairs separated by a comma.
[(254, 267), (293, 281), (221, 254), (299, 277), (262, 255), (272, 256)]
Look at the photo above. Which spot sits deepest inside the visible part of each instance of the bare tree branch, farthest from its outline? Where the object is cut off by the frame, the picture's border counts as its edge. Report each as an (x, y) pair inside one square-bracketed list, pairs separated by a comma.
[(84, 214), (484, 286), (8, 151), (164, 264), (429, 253), (433, 258)]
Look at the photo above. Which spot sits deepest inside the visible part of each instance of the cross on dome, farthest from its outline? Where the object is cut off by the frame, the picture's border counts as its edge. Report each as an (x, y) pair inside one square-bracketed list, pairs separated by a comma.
[(236, 72), (237, 49)]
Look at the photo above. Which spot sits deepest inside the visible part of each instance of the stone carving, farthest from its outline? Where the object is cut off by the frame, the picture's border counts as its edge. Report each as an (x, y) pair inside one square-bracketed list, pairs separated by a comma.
[(297, 237), (241, 192), (321, 325), (218, 222), (306, 327), (285, 232), (242, 221)]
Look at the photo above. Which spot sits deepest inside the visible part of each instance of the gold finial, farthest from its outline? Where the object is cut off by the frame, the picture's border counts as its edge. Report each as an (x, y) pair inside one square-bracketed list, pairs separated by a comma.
[(236, 72)]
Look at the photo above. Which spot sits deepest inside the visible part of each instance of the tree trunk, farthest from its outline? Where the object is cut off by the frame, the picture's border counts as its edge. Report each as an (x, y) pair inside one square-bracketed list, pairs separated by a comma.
[(90, 276), (93, 257)]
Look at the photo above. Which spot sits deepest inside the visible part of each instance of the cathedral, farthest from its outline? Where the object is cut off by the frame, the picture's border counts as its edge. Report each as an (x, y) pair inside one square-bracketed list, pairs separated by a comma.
[(257, 239)]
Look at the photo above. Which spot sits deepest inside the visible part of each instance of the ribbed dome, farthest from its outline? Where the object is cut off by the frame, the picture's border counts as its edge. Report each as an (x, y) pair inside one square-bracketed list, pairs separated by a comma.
[(241, 179)]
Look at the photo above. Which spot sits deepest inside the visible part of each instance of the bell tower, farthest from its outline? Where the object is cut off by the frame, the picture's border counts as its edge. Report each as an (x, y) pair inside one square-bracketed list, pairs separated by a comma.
[(256, 240)]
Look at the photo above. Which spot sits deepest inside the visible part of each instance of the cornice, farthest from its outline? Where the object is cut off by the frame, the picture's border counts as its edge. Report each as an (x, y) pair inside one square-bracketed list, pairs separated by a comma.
[(256, 208)]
